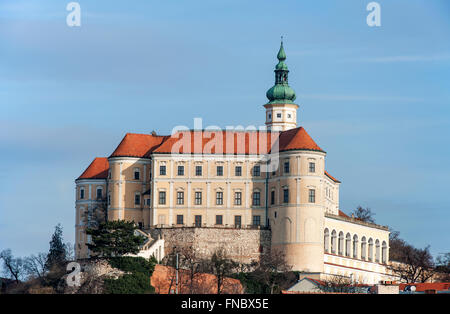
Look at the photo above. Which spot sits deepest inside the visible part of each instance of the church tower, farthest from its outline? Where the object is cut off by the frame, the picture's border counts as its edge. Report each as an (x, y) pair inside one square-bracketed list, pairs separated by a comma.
[(281, 111)]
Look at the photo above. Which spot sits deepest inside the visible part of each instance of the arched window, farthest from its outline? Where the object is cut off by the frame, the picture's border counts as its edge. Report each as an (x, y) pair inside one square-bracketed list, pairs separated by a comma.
[(341, 243), (377, 251), (333, 242), (348, 240), (363, 248), (355, 246), (370, 250), (384, 253), (326, 240)]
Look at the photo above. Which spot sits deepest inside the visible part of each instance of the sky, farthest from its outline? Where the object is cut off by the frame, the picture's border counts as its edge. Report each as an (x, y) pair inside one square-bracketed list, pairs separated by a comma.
[(376, 99)]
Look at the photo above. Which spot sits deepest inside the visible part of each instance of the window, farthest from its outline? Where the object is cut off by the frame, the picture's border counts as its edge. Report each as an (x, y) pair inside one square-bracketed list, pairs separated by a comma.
[(162, 197), (341, 243), (109, 198), (272, 197), (348, 241), (256, 220), (238, 198), (180, 219), (198, 170), (82, 193), (109, 174), (275, 214), (99, 193), (219, 171), (180, 198), (257, 171), (137, 199), (312, 167), (237, 221), (219, 198), (162, 170), (219, 219), (355, 246), (181, 170), (198, 198), (198, 220), (326, 240), (286, 167), (148, 202), (286, 196), (333, 242), (136, 174), (363, 248), (256, 198), (278, 115), (238, 171), (312, 196), (289, 115)]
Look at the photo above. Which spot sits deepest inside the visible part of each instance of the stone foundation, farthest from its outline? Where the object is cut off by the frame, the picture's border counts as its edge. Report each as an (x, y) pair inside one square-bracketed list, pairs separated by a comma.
[(241, 245)]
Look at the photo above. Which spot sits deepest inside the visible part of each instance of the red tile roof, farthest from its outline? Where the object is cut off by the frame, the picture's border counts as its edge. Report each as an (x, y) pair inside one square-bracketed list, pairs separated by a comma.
[(215, 142), (297, 138), (420, 287), (331, 177), (342, 214), (138, 145), (98, 169)]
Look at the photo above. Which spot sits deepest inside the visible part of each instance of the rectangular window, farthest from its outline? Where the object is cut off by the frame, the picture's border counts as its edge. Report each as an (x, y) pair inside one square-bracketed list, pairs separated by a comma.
[(198, 170), (99, 194), (181, 170), (82, 194), (272, 198), (180, 198), (109, 198), (256, 171), (238, 171), (238, 198), (219, 198), (162, 170), (162, 197), (198, 220), (219, 220), (219, 171), (237, 221), (180, 219), (256, 198), (312, 196), (286, 167), (148, 202), (137, 199), (256, 220), (312, 167), (198, 198), (136, 174), (285, 196)]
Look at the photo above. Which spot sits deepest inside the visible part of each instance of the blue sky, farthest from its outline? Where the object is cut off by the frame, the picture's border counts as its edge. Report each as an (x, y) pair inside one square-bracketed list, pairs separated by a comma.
[(376, 99)]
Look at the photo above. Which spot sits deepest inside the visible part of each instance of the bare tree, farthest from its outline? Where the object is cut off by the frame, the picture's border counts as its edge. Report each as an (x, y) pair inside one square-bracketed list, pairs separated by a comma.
[(443, 267), (221, 266), (12, 266), (337, 283), (273, 269), (94, 216), (364, 214), (35, 265)]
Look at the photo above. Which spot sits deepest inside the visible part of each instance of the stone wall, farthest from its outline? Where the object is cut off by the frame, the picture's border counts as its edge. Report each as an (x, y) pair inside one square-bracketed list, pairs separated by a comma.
[(242, 245)]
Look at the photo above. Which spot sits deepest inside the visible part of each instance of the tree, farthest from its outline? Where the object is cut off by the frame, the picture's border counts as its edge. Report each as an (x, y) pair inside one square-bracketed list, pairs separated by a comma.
[(35, 265), (93, 217), (114, 238), (364, 214), (57, 253), (443, 267), (409, 263), (13, 267), (337, 283), (273, 269), (221, 266)]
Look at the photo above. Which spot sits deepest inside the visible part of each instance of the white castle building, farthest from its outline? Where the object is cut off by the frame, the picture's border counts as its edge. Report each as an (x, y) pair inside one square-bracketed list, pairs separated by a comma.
[(217, 180)]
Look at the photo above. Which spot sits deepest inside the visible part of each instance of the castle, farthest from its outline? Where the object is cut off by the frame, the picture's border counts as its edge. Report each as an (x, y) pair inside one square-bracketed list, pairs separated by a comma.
[(247, 190)]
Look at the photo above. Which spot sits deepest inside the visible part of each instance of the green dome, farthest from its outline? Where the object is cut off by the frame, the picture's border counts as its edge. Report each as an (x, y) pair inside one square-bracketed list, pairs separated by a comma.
[(281, 92)]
